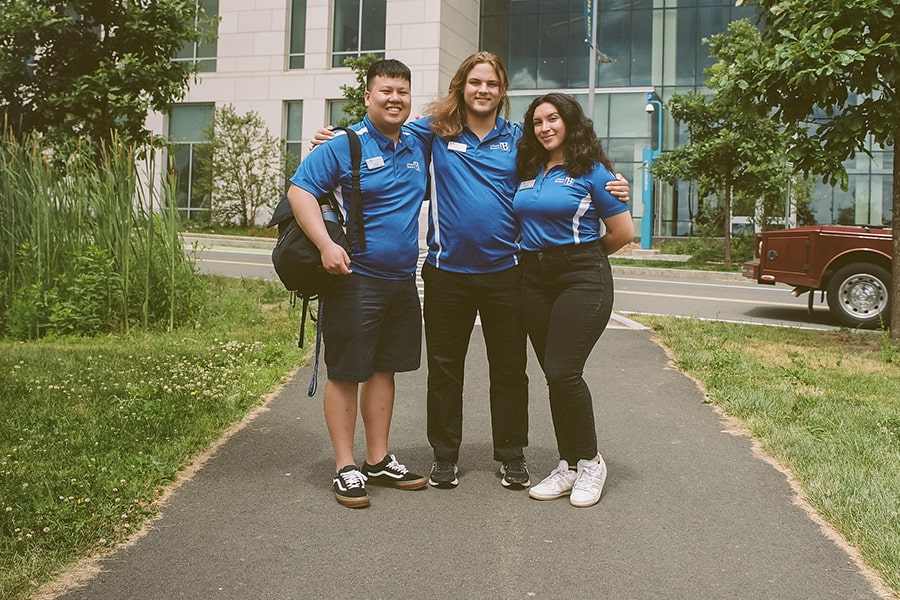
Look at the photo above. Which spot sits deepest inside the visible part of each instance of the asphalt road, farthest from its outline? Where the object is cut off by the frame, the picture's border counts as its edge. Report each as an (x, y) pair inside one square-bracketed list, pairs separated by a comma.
[(716, 296)]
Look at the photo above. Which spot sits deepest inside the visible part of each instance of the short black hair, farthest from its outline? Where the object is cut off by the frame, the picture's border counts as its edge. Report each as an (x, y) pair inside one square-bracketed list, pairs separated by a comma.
[(387, 67)]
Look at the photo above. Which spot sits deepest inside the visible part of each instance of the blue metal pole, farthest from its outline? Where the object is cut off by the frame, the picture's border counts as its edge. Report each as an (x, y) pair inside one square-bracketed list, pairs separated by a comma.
[(647, 201), (649, 156)]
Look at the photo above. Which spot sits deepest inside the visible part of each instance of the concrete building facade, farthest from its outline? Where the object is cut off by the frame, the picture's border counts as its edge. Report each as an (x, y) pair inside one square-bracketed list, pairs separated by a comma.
[(282, 59)]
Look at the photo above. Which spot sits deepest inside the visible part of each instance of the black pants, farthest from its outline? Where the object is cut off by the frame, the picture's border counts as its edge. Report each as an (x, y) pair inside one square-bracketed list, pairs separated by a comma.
[(567, 296), (452, 301)]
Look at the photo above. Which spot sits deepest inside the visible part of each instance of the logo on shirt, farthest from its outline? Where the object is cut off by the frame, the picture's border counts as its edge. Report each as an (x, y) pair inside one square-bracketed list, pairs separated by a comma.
[(414, 165), (501, 146), (566, 181)]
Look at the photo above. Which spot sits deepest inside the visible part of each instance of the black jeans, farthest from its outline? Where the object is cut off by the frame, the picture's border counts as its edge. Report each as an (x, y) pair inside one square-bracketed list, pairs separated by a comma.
[(567, 296), (452, 301)]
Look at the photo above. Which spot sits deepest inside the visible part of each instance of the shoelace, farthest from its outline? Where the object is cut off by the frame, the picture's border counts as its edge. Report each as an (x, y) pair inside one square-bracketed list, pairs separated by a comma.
[(394, 465), (557, 475), (353, 479), (517, 466), (588, 479), (562, 470)]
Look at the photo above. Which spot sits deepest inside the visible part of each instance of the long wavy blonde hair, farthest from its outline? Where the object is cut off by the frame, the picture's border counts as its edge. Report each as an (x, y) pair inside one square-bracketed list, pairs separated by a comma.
[(449, 113)]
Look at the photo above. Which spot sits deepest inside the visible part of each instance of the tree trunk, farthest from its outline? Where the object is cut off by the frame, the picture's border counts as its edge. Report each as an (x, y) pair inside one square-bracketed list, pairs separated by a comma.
[(895, 270), (728, 222)]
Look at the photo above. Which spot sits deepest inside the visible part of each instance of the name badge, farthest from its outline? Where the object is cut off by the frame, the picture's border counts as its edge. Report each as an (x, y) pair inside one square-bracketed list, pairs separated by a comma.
[(456, 147), (526, 185), (376, 162)]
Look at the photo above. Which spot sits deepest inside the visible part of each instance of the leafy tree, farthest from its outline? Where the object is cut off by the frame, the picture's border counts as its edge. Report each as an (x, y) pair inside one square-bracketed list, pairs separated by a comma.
[(87, 70), (355, 108), (732, 156), (832, 67), (241, 168)]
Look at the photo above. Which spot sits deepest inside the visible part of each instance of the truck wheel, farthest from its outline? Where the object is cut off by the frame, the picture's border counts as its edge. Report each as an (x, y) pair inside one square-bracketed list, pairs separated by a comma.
[(858, 295)]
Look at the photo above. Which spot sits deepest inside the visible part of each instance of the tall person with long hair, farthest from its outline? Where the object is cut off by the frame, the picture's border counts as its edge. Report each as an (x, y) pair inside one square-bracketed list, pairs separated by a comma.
[(471, 269), (567, 287)]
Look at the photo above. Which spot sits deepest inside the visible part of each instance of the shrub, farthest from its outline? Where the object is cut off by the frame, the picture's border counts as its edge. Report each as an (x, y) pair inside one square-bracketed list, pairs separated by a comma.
[(88, 246)]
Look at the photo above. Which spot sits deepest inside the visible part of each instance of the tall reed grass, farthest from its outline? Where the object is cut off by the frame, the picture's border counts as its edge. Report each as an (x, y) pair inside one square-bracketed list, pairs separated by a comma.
[(89, 244)]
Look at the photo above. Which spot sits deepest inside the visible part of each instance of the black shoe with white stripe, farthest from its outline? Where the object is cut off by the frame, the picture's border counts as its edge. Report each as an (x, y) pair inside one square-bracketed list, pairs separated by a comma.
[(349, 487), (514, 474), (443, 475), (391, 473)]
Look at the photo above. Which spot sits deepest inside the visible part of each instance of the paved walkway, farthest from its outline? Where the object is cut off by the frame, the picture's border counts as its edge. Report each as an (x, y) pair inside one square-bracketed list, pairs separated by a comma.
[(688, 512)]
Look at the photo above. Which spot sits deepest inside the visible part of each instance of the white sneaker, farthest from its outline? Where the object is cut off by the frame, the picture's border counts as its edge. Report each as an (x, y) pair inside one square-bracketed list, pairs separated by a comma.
[(556, 485), (588, 483)]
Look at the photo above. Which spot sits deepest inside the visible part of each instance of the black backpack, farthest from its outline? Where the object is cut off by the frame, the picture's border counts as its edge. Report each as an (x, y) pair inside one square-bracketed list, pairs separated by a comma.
[(296, 259)]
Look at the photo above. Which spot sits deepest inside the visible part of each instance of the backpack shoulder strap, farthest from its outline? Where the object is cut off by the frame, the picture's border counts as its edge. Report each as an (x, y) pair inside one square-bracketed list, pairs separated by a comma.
[(356, 229)]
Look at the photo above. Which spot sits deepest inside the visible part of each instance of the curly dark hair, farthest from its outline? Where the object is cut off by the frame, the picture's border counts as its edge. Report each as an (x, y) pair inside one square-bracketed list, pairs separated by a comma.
[(581, 146)]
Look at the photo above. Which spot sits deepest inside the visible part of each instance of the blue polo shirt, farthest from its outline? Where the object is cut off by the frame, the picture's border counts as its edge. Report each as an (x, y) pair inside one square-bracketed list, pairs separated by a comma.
[(471, 224), (556, 209), (392, 182)]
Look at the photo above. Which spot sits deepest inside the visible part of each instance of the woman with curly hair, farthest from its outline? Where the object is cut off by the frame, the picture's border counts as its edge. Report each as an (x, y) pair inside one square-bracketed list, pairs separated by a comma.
[(567, 287)]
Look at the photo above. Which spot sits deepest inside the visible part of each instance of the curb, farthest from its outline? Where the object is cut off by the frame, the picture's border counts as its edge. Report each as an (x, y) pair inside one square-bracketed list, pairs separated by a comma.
[(677, 273), (238, 241)]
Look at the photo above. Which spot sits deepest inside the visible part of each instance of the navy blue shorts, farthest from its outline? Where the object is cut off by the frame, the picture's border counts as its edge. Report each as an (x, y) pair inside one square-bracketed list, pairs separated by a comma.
[(371, 325)]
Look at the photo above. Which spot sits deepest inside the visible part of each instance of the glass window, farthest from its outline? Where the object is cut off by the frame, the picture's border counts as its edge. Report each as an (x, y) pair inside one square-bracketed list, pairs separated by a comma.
[(206, 15), (627, 117), (336, 111), (614, 48), (687, 46), (186, 125), (887, 186), (517, 107), (359, 27), (711, 20), (545, 43), (296, 52), (293, 132)]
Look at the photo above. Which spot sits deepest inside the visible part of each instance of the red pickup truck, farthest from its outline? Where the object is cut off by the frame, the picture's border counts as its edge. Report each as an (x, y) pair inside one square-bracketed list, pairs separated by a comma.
[(852, 264)]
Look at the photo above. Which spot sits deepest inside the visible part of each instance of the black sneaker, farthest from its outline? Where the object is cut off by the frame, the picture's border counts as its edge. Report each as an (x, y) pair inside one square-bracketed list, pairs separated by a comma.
[(391, 473), (515, 474), (443, 475), (350, 488)]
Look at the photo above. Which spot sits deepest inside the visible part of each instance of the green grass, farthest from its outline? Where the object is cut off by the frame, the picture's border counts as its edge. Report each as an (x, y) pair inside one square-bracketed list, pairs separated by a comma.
[(93, 429), (824, 404), (259, 231)]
